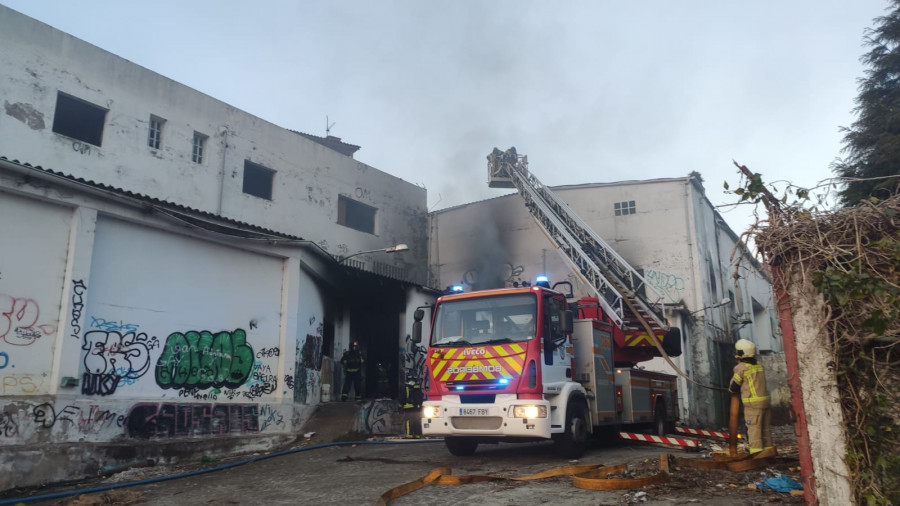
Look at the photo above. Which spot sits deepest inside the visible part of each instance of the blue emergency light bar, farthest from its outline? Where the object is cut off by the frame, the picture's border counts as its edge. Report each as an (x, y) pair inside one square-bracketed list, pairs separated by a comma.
[(457, 288), (542, 280), (504, 381)]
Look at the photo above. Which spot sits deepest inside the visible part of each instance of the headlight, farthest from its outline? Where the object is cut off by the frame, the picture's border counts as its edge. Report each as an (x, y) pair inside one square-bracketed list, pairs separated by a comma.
[(431, 411), (530, 411)]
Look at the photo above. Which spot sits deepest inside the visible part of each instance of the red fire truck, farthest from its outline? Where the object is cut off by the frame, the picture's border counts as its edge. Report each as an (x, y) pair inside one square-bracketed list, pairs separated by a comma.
[(515, 364)]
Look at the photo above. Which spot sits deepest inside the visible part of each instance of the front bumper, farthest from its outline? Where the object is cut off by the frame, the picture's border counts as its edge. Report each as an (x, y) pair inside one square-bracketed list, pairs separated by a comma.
[(495, 419)]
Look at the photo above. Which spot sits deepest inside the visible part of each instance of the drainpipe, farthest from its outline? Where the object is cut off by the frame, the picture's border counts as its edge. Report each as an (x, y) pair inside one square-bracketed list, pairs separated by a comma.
[(783, 305)]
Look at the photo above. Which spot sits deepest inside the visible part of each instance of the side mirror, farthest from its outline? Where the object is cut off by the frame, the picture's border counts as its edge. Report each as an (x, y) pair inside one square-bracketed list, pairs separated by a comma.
[(568, 323), (418, 315), (417, 330)]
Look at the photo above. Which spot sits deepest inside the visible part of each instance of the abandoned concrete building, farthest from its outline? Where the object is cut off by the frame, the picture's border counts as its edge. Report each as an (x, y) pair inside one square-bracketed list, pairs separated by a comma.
[(146, 222), (142, 217)]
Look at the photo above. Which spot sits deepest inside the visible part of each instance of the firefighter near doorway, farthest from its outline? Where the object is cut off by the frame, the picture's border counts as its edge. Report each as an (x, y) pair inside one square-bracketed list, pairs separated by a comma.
[(352, 361)]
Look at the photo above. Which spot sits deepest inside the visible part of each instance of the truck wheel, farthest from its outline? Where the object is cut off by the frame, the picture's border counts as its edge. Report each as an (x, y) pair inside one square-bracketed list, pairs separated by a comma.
[(660, 424), (461, 446), (574, 441)]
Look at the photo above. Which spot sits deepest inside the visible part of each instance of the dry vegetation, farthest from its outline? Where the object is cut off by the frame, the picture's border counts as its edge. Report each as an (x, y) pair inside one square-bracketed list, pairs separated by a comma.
[(852, 257)]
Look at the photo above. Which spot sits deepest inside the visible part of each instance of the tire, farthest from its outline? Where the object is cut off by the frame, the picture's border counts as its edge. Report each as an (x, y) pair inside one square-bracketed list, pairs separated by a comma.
[(461, 446), (660, 424), (574, 441)]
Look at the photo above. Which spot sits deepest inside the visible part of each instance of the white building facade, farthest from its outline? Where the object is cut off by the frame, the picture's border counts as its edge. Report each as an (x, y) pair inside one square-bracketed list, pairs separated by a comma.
[(665, 228), (175, 269)]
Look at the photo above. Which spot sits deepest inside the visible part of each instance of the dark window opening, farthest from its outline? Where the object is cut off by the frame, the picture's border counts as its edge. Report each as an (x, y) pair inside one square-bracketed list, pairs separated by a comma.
[(356, 215), (78, 119), (154, 138), (258, 180), (199, 147), (624, 208)]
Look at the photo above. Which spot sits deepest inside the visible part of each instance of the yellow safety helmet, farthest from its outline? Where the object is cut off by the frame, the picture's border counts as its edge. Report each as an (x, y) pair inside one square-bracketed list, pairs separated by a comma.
[(744, 348)]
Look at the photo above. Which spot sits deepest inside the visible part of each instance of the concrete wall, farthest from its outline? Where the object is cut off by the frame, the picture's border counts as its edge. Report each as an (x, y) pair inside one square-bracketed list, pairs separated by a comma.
[(38, 62), (674, 237)]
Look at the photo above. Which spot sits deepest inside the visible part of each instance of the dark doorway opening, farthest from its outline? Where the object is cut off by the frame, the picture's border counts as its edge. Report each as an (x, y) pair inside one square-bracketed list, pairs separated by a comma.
[(376, 304)]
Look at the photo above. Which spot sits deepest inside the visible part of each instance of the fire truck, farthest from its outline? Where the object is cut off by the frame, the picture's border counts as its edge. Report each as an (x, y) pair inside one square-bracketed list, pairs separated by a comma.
[(525, 363)]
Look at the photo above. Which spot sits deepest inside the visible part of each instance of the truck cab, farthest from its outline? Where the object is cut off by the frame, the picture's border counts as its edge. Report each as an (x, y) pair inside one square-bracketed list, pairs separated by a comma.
[(498, 364)]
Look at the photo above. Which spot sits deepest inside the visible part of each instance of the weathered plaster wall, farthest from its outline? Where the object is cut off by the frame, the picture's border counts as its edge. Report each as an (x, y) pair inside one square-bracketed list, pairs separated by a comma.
[(30, 301), (824, 416), (39, 61), (308, 366)]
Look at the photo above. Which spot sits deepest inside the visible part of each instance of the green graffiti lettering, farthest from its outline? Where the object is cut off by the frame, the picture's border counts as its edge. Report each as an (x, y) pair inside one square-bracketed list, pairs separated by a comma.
[(203, 360)]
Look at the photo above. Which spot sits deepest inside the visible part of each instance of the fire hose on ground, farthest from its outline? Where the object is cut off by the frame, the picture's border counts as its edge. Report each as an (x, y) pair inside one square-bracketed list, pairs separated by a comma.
[(258, 458), (590, 477)]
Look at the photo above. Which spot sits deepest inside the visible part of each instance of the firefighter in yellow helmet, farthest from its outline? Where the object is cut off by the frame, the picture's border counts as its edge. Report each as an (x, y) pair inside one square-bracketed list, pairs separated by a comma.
[(750, 381)]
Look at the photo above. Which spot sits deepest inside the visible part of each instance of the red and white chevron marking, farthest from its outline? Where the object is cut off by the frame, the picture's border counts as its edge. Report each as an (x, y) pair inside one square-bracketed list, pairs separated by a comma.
[(701, 432), (660, 439)]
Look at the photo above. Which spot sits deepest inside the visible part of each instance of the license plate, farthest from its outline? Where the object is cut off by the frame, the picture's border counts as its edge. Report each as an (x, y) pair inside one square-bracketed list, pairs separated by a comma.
[(473, 412)]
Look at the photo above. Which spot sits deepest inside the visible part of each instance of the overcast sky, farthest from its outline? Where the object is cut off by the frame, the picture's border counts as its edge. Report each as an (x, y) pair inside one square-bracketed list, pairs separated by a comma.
[(591, 91)]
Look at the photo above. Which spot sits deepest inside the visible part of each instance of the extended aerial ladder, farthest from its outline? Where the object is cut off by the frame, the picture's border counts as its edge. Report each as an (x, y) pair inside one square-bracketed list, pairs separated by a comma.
[(621, 290)]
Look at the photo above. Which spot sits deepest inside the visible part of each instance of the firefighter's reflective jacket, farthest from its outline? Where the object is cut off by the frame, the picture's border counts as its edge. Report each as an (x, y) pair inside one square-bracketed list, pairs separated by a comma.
[(750, 379), (352, 361)]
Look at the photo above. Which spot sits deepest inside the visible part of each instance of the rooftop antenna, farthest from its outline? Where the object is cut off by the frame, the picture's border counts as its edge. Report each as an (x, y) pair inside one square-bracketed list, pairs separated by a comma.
[(328, 126)]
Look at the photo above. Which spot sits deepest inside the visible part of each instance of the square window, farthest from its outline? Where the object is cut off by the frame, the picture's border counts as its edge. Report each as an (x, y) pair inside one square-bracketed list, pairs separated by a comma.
[(624, 208), (199, 147), (258, 180), (356, 215), (154, 137), (78, 119)]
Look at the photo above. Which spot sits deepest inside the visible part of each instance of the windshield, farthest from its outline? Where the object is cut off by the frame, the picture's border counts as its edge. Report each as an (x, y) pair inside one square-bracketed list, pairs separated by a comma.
[(488, 320)]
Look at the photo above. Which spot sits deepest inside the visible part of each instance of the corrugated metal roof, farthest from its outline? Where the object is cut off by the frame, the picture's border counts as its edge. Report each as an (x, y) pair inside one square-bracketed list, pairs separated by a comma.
[(153, 201)]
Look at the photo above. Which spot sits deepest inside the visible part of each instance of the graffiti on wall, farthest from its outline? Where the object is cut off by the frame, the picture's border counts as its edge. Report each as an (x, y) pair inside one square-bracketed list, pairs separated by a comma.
[(262, 381), (81, 147), (506, 275), (152, 420), (270, 417), (379, 417), (669, 285), (413, 360), (113, 326), (112, 360), (9, 425), (78, 289), (19, 318), (4, 360), (311, 355), (18, 384), (268, 353), (143, 420), (93, 421), (203, 360), (46, 416), (307, 377)]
